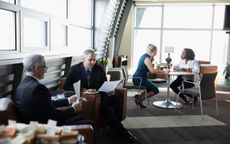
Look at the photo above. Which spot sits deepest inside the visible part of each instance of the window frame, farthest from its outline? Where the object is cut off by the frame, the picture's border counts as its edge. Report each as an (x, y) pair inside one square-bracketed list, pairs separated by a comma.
[(212, 38), (16, 10), (35, 15), (162, 29), (48, 49)]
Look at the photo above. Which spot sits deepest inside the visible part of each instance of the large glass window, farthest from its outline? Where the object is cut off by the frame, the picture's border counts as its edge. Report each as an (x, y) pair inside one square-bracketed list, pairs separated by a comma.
[(53, 7), (52, 25), (81, 12), (219, 17), (199, 41), (148, 17), (182, 26), (10, 1), (35, 32), (7, 30), (219, 49), (58, 35), (187, 16), (79, 38), (80, 30), (142, 39)]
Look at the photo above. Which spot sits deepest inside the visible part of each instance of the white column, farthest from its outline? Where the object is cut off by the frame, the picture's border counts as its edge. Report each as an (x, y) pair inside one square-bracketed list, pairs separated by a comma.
[(228, 51), (111, 52)]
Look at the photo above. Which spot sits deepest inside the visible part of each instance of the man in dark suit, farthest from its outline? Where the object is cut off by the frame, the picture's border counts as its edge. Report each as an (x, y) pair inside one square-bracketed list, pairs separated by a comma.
[(33, 100), (92, 76)]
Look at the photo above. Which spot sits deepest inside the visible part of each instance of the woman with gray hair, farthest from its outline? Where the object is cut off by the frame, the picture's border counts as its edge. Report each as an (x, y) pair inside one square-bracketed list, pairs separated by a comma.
[(144, 66)]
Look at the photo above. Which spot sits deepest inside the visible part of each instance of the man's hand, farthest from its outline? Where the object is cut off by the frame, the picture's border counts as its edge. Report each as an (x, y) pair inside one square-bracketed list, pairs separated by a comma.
[(83, 90), (90, 91), (186, 69), (77, 106), (72, 99), (111, 93)]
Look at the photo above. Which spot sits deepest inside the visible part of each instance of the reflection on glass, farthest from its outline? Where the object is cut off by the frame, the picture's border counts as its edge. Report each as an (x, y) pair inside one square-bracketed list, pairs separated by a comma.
[(81, 12), (187, 16), (148, 17), (58, 35), (7, 30), (79, 38), (53, 7), (35, 32), (141, 40)]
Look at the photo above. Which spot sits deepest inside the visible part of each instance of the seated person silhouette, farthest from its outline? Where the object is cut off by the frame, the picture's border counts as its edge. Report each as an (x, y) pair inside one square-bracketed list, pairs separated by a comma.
[(33, 99), (92, 76), (187, 63)]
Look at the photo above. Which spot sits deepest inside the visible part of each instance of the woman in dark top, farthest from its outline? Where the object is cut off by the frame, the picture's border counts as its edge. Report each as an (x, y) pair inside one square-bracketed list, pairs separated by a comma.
[(145, 66)]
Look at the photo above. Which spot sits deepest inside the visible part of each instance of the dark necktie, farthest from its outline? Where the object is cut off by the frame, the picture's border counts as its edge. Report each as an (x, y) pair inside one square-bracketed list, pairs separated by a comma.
[(88, 76)]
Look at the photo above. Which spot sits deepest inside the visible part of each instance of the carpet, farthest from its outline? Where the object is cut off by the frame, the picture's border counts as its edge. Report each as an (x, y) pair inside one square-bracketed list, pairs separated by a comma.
[(170, 121), (155, 125)]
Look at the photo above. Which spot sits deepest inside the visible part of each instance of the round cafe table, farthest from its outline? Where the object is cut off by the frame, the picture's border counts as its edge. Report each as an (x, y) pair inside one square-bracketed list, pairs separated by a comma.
[(167, 103)]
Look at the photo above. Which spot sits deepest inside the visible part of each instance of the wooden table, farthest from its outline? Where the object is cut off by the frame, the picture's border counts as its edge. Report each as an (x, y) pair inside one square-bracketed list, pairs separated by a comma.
[(167, 103)]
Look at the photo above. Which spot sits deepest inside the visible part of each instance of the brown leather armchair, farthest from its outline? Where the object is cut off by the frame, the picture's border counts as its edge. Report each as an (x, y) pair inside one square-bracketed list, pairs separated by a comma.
[(91, 108), (7, 110)]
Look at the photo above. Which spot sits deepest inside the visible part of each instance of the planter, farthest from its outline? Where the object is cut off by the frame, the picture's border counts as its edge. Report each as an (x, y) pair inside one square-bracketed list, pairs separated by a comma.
[(226, 73), (104, 63), (227, 81), (106, 68)]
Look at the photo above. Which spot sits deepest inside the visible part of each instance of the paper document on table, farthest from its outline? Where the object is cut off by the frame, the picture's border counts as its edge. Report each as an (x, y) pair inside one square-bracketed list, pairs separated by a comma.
[(77, 89), (109, 86)]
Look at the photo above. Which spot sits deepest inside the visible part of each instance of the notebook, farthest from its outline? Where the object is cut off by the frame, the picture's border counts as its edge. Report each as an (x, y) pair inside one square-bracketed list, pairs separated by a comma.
[(77, 89), (109, 86)]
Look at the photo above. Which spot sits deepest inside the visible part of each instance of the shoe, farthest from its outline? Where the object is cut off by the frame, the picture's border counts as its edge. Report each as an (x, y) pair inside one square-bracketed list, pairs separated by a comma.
[(131, 138), (136, 100), (194, 101), (142, 106), (183, 98)]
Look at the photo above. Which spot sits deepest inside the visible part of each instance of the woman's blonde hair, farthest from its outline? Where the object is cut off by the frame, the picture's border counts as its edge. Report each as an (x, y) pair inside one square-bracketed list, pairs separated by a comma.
[(151, 48)]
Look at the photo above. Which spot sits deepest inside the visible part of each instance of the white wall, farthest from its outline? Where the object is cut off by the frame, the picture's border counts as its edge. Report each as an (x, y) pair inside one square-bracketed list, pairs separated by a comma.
[(126, 42), (228, 55)]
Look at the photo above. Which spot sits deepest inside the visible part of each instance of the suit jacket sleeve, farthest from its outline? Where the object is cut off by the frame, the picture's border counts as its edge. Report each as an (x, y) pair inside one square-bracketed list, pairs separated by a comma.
[(42, 100), (70, 79), (102, 77), (77, 72), (97, 77), (61, 102)]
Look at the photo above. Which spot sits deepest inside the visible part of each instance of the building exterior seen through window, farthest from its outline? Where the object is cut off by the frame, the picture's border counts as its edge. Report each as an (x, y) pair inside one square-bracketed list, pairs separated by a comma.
[(196, 26)]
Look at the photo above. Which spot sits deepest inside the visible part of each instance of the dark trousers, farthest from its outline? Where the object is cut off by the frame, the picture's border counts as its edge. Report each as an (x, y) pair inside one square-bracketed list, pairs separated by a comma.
[(78, 120), (176, 85), (110, 107)]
